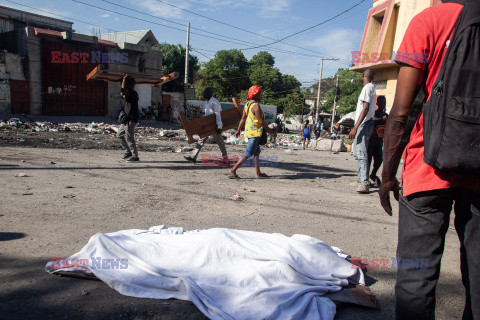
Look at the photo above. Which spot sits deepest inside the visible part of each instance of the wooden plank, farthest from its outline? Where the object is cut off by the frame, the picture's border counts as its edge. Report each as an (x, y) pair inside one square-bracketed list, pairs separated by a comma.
[(167, 78), (207, 126), (101, 73)]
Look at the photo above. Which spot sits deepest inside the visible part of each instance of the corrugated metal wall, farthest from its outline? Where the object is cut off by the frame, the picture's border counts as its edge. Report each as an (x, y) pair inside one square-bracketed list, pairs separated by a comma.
[(20, 96), (65, 88)]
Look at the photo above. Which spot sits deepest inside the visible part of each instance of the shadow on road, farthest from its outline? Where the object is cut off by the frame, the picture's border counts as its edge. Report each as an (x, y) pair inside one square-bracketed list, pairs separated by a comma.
[(7, 236), (28, 292)]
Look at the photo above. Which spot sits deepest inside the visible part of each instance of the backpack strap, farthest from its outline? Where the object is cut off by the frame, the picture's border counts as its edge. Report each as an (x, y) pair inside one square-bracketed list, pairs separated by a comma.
[(249, 104), (468, 15)]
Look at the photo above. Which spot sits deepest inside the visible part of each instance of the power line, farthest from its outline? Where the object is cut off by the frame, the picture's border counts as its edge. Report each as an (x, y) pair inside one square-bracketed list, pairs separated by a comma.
[(235, 27), (235, 41), (174, 22), (208, 32), (84, 22), (218, 21), (312, 27), (197, 51), (272, 49)]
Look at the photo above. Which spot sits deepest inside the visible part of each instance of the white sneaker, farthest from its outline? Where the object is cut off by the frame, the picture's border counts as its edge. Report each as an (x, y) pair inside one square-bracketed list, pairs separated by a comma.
[(363, 188)]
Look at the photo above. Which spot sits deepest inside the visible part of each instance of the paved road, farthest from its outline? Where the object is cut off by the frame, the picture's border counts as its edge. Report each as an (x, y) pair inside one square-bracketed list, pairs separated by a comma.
[(54, 210)]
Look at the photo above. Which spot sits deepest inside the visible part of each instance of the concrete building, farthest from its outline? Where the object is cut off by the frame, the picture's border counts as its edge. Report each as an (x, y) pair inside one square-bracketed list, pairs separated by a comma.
[(44, 64), (20, 63), (385, 27)]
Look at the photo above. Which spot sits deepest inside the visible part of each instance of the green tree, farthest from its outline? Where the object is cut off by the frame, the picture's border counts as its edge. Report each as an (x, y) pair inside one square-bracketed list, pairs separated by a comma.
[(327, 85), (262, 58), (262, 72), (226, 73), (350, 85), (290, 83), (291, 104), (173, 59)]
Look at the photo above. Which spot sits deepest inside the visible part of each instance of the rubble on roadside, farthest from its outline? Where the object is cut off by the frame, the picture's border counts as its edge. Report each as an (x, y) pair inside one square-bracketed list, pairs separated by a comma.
[(15, 124), (90, 133)]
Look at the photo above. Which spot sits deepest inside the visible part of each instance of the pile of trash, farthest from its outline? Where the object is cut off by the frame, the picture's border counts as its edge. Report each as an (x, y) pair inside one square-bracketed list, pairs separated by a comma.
[(283, 140), (45, 126), (231, 139), (15, 124)]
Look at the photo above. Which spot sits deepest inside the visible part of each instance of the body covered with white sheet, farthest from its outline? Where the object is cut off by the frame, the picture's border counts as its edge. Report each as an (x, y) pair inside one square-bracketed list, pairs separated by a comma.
[(227, 274)]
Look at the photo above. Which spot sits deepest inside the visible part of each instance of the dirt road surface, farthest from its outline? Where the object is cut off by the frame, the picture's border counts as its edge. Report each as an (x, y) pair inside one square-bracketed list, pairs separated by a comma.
[(55, 197)]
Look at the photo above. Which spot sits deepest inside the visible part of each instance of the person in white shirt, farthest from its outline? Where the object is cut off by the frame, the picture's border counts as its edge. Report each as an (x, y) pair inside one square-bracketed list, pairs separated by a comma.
[(363, 128), (212, 107)]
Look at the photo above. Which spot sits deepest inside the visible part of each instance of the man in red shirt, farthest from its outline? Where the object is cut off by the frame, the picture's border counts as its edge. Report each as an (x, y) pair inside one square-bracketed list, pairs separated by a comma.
[(427, 195)]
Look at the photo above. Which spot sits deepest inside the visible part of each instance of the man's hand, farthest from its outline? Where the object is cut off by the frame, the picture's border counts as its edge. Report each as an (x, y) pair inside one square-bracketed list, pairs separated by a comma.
[(384, 193), (352, 133), (237, 134)]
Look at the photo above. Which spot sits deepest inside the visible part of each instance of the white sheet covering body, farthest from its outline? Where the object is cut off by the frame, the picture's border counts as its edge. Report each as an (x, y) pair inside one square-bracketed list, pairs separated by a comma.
[(227, 274)]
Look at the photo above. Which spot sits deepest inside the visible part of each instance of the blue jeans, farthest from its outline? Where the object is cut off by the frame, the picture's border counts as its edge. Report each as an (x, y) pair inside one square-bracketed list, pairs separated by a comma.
[(253, 147), (360, 147), (423, 221)]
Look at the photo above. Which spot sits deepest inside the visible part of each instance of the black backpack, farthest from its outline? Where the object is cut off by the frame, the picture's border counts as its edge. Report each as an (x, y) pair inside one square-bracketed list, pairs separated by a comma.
[(451, 117)]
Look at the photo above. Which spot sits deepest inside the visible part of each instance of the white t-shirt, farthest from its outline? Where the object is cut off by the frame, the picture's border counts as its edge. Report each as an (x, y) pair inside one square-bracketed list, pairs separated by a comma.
[(369, 95), (214, 107)]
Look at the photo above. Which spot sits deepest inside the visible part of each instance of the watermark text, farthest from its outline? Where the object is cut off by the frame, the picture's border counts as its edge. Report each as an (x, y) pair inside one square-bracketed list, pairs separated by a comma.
[(92, 263)]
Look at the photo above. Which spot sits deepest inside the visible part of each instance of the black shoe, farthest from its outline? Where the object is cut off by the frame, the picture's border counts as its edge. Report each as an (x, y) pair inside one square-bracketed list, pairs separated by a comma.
[(190, 159), (225, 162), (375, 181), (126, 155), (133, 159)]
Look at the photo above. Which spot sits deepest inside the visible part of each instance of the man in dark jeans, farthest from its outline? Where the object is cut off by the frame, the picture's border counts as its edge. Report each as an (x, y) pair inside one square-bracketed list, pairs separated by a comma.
[(318, 129), (428, 195), (375, 143), (126, 132)]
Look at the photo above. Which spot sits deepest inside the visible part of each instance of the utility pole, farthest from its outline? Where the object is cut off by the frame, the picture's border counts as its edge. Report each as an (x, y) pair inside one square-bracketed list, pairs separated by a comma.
[(185, 82), (334, 104), (319, 86)]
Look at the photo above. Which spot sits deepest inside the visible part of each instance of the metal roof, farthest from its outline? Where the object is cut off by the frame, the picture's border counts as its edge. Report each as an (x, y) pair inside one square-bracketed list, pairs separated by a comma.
[(134, 37)]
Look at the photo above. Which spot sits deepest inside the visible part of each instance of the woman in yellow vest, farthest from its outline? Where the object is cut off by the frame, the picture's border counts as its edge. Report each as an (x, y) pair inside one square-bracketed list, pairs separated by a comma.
[(254, 121)]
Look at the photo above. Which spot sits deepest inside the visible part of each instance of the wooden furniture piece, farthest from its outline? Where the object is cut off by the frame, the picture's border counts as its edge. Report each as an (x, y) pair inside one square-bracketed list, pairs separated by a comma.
[(101, 73), (207, 126)]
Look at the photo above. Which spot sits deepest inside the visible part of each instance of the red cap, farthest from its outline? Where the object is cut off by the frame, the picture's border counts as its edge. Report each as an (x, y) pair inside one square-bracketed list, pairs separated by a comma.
[(253, 91)]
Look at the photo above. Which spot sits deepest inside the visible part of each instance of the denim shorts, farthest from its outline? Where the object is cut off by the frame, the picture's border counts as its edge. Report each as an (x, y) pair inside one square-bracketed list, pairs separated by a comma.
[(253, 146)]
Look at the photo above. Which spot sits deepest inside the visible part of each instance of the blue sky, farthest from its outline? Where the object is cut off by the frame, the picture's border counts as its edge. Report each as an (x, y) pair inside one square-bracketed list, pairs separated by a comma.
[(263, 21)]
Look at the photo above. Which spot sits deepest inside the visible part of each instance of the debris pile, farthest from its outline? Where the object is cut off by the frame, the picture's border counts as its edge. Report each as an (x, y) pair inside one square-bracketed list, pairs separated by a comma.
[(15, 124), (102, 135), (94, 135)]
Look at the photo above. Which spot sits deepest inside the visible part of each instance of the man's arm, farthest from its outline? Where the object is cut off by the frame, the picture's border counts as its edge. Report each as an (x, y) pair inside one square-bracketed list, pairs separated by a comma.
[(122, 89), (408, 84), (217, 108), (364, 113), (242, 123)]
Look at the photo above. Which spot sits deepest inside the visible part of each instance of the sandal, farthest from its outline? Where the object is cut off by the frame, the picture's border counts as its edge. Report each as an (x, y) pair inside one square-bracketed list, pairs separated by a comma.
[(263, 175), (233, 176)]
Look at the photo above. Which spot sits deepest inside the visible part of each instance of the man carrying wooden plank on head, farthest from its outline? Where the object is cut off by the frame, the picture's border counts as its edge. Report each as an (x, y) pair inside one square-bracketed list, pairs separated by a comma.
[(129, 119), (212, 107)]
